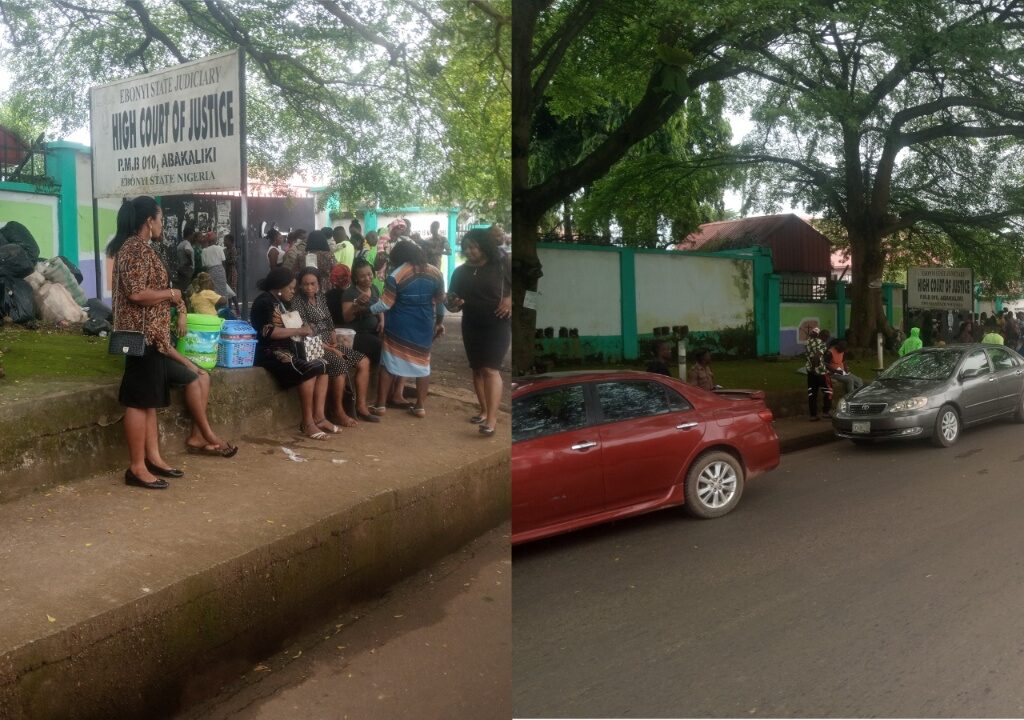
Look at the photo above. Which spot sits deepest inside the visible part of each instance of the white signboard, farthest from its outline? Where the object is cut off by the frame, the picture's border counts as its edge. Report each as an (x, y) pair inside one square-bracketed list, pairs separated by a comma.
[(170, 132), (932, 288)]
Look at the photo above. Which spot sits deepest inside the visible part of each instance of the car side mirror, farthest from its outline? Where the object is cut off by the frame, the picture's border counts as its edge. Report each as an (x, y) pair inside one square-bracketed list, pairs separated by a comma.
[(969, 373)]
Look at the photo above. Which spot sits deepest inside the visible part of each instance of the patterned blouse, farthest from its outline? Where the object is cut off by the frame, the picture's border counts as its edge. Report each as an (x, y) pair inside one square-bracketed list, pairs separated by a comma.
[(137, 267), (317, 315)]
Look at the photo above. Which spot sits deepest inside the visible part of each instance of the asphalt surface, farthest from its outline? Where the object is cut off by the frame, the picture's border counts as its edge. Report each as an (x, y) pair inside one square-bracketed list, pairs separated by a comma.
[(850, 582), (436, 646)]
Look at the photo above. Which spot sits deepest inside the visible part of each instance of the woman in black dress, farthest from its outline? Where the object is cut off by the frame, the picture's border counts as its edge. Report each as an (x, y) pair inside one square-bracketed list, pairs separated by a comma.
[(482, 289), (275, 353)]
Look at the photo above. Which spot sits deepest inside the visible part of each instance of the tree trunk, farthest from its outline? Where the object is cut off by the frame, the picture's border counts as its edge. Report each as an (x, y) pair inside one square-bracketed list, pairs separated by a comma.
[(526, 270), (867, 313)]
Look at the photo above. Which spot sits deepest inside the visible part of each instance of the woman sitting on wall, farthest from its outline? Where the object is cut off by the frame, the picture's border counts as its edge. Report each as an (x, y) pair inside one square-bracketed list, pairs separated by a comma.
[(312, 306), (276, 352)]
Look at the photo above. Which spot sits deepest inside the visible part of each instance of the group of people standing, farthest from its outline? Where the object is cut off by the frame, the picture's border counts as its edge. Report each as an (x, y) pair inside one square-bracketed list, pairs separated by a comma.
[(389, 296), (394, 322)]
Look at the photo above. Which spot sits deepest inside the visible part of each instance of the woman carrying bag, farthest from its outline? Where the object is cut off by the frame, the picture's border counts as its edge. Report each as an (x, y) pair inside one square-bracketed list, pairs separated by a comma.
[(143, 298)]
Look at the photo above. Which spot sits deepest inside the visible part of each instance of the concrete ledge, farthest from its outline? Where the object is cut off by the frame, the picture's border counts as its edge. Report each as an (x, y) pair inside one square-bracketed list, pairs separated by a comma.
[(179, 589), (61, 432)]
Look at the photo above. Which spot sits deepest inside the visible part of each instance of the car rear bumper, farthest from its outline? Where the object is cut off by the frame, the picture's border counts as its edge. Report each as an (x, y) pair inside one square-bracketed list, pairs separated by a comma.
[(901, 426), (760, 450)]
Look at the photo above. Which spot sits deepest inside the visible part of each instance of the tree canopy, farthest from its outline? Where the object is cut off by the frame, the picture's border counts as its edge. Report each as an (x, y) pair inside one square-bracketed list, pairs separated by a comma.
[(395, 100), (900, 121)]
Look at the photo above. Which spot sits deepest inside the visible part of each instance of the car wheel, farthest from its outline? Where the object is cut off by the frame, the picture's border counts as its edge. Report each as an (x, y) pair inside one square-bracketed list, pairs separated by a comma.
[(713, 485), (1019, 415), (947, 427)]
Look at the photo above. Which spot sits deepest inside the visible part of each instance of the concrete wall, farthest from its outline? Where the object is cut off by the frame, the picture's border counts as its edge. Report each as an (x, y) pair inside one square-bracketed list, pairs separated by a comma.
[(796, 318), (580, 290), (705, 293), (107, 227), (36, 212)]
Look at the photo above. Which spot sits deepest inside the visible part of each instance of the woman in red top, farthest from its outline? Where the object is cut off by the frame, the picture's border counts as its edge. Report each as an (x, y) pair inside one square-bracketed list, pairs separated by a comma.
[(142, 302)]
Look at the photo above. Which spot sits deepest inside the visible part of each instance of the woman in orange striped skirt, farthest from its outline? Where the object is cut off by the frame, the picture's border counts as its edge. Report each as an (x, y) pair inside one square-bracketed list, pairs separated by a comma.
[(414, 302)]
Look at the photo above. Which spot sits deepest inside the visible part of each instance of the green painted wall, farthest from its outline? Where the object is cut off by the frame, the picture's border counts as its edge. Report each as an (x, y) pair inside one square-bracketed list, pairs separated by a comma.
[(108, 226), (37, 217)]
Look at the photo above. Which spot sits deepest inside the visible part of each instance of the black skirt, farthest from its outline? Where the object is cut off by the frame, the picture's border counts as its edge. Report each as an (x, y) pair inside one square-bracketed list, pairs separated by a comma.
[(486, 341), (148, 379)]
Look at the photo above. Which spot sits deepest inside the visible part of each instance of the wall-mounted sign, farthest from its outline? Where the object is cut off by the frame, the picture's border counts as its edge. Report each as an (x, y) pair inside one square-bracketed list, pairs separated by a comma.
[(934, 288), (173, 131)]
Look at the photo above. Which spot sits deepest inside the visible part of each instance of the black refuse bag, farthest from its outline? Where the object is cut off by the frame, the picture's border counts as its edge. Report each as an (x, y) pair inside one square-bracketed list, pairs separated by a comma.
[(95, 326), (16, 300), (14, 262), (18, 234), (97, 310), (73, 268)]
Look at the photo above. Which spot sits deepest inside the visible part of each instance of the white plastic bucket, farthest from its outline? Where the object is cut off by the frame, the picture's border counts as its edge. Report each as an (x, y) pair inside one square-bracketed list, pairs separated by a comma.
[(346, 337)]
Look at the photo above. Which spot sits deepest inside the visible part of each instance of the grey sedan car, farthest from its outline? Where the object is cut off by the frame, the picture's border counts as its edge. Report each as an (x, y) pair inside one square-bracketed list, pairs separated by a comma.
[(935, 393)]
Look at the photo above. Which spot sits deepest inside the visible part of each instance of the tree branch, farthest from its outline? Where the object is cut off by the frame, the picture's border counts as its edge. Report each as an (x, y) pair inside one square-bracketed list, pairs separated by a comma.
[(152, 31), (395, 51), (950, 130), (572, 27)]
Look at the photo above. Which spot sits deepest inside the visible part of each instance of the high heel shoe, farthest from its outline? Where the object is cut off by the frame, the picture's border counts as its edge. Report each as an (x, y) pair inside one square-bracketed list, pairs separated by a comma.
[(164, 472), (131, 479)]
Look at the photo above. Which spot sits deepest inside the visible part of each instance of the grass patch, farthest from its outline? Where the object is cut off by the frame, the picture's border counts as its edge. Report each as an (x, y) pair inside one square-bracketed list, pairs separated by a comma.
[(55, 354)]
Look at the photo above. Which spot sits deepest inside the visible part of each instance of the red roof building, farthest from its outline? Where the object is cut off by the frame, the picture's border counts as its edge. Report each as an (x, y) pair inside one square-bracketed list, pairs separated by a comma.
[(797, 248)]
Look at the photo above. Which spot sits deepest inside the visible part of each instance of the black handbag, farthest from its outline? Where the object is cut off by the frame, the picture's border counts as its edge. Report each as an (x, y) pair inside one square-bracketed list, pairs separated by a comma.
[(130, 343), (127, 342)]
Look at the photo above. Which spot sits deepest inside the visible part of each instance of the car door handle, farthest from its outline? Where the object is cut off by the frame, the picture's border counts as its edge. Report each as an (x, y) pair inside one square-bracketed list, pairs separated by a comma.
[(686, 426), (1019, 372), (991, 379), (584, 445)]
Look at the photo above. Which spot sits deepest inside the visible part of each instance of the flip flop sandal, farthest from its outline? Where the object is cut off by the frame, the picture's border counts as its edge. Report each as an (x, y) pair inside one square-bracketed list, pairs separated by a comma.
[(378, 410), (486, 431), (334, 429), (418, 412), (217, 451), (399, 406), (477, 419), (318, 435)]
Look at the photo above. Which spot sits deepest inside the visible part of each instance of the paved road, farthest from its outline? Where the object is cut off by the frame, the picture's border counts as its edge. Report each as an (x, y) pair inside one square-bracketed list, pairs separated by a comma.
[(437, 646), (882, 581)]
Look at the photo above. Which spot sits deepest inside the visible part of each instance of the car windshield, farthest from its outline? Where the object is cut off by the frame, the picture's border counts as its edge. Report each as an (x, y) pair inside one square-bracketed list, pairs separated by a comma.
[(928, 365)]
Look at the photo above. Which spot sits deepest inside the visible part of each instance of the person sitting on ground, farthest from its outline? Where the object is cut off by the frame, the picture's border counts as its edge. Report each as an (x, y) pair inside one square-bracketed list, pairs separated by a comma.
[(992, 336), (204, 299), (661, 354), (700, 373), (912, 343), (356, 301), (276, 354), (835, 361), (312, 307)]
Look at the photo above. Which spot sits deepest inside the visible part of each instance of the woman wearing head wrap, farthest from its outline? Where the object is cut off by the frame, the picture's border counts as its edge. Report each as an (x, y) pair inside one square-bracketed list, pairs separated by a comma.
[(414, 302)]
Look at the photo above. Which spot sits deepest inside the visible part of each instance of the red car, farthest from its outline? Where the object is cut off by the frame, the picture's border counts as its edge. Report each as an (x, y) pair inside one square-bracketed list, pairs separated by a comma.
[(589, 447)]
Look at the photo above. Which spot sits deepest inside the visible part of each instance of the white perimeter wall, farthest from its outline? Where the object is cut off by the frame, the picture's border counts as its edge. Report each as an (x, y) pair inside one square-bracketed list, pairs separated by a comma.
[(702, 292), (580, 290)]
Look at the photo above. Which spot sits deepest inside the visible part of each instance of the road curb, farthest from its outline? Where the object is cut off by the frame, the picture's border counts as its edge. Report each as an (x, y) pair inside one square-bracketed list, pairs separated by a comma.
[(149, 657), (803, 442)]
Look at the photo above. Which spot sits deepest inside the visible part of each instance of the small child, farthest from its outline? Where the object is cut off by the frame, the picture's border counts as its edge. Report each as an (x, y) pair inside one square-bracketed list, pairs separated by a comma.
[(204, 300)]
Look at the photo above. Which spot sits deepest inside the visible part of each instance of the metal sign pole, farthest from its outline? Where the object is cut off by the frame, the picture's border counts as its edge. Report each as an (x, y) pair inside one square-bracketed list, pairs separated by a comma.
[(97, 255), (243, 230)]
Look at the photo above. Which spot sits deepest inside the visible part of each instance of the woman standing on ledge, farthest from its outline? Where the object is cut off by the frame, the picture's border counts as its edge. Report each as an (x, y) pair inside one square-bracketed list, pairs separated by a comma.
[(142, 302)]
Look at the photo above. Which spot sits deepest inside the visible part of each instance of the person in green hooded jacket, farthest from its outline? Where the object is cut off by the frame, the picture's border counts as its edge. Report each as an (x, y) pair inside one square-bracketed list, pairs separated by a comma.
[(912, 343)]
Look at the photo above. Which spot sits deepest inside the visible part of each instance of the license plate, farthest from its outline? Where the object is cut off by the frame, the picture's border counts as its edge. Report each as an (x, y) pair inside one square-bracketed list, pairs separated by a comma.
[(862, 427)]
